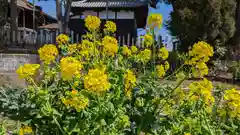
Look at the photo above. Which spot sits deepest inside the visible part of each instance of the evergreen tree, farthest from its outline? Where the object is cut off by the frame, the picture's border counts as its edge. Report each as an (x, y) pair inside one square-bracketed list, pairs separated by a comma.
[(209, 20)]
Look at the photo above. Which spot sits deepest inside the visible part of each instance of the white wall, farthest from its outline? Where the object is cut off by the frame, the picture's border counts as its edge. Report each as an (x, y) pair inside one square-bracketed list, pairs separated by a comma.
[(111, 14), (103, 15), (88, 12), (125, 15)]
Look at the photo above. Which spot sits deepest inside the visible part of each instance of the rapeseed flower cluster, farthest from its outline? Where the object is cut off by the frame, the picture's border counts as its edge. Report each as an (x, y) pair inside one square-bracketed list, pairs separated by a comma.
[(62, 39), (232, 102), (199, 55), (148, 40), (88, 36), (134, 49), (179, 95), (110, 26), (70, 67), (48, 53), (76, 100), (129, 83), (201, 69), (162, 69), (202, 90), (126, 51), (92, 23), (201, 52), (145, 55), (25, 130), (87, 49), (166, 65), (155, 21), (163, 53), (110, 46), (27, 70), (72, 48), (96, 81)]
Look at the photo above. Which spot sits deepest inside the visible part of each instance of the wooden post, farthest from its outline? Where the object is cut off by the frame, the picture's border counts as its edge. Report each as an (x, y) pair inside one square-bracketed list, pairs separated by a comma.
[(24, 23), (119, 40), (72, 36), (41, 36), (138, 42), (128, 40), (51, 35), (141, 43), (14, 20), (160, 40), (77, 37), (132, 41), (18, 36), (123, 40)]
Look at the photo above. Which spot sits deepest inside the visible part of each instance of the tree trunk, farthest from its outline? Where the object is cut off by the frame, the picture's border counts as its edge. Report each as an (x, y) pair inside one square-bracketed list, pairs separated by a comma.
[(66, 15), (63, 20), (237, 19), (14, 21), (236, 37), (59, 15)]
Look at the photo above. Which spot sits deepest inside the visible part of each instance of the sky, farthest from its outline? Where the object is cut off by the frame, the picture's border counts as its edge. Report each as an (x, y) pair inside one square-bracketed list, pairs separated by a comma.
[(49, 7)]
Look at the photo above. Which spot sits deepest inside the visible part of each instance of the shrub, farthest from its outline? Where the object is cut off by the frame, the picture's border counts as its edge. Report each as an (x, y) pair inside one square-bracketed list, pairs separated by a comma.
[(97, 87), (236, 70)]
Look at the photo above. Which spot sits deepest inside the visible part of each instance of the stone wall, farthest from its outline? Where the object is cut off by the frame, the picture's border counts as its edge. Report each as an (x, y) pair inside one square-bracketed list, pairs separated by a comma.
[(8, 65)]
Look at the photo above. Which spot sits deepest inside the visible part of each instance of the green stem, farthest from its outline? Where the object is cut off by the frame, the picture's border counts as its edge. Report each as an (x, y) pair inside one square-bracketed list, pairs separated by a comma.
[(208, 126), (174, 73), (57, 123), (140, 127)]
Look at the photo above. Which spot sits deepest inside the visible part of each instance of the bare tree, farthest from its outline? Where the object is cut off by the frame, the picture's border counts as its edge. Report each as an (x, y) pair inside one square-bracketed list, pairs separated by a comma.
[(63, 15), (63, 8)]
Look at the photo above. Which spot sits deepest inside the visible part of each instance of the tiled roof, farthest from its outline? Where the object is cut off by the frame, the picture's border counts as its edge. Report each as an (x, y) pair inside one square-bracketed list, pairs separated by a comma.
[(113, 4), (49, 26)]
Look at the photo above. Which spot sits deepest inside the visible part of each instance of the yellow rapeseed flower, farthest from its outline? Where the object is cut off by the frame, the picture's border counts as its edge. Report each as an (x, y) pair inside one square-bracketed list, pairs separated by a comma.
[(110, 26), (202, 89), (201, 52), (129, 83), (76, 100), (232, 101), (145, 55), (92, 23), (62, 39), (27, 70), (72, 48), (126, 51), (200, 70), (163, 53), (160, 71), (96, 81), (25, 130), (70, 67), (187, 134), (110, 46), (148, 40), (87, 49), (48, 53), (134, 49), (155, 20), (166, 66)]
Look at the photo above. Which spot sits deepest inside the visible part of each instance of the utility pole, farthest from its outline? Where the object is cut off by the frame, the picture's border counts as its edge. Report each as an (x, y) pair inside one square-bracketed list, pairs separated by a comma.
[(107, 3)]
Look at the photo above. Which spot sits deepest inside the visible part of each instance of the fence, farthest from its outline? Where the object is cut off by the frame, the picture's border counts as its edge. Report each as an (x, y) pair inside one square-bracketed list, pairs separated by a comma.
[(27, 38)]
